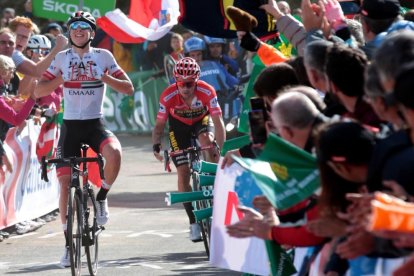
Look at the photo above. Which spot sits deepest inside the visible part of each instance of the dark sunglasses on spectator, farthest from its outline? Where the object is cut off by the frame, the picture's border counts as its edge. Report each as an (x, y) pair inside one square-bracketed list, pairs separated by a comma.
[(81, 24), (40, 51), (183, 84)]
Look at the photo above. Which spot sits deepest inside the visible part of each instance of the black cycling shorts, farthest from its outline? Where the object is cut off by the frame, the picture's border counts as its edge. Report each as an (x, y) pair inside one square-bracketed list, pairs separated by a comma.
[(180, 136), (73, 133)]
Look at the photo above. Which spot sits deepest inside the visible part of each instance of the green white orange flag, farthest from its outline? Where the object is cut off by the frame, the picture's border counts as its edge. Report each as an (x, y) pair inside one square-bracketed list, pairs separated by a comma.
[(286, 174)]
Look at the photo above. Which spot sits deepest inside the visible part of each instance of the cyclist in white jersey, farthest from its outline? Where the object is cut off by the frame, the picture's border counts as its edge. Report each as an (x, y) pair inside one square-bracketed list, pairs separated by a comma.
[(84, 72)]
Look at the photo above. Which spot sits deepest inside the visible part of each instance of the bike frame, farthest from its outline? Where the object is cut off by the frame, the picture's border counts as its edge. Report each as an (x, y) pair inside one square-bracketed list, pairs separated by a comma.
[(87, 230)]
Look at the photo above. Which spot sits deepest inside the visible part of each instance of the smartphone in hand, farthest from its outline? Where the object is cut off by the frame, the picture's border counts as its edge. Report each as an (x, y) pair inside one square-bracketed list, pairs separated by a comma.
[(257, 126)]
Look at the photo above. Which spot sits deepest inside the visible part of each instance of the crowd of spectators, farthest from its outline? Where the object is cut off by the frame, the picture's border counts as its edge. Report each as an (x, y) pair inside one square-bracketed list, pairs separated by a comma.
[(345, 98)]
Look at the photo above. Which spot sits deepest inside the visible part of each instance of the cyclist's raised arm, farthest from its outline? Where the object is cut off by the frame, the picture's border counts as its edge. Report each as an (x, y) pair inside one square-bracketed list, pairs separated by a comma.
[(220, 132)]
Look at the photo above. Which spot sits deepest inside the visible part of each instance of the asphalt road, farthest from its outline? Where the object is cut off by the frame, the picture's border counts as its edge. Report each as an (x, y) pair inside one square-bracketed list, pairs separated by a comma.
[(144, 236)]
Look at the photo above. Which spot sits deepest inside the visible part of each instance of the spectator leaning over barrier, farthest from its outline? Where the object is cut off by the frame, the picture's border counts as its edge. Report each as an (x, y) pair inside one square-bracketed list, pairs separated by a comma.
[(345, 69), (344, 150), (22, 28), (7, 113), (296, 128), (268, 85)]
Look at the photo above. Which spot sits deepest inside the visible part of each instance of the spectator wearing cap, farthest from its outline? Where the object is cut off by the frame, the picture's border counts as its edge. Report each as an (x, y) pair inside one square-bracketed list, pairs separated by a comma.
[(7, 15), (376, 17)]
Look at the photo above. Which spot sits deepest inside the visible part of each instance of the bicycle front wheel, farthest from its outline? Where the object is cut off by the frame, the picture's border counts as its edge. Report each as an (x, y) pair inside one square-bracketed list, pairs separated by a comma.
[(92, 234), (74, 231)]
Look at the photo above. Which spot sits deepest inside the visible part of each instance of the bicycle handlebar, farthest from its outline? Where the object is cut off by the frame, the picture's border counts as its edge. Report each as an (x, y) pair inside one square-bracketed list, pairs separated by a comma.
[(193, 149), (72, 161)]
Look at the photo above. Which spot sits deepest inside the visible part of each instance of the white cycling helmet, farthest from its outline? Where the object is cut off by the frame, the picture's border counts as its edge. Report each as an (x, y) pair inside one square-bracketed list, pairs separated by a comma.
[(39, 41)]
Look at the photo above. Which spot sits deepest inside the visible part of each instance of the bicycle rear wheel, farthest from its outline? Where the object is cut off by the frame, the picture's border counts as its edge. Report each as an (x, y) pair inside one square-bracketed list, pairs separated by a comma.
[(92, 234), (198, 206), (74, 231)]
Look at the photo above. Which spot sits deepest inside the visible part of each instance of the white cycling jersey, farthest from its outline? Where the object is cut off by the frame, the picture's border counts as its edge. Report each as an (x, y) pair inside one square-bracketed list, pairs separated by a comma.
[(82, 92)]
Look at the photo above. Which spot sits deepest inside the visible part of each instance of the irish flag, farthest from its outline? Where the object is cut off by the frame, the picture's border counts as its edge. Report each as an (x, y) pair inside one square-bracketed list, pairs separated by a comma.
[(147, 20)]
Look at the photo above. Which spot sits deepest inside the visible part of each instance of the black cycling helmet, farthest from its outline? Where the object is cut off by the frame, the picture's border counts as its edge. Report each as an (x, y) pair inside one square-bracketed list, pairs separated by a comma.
[(82, 16)]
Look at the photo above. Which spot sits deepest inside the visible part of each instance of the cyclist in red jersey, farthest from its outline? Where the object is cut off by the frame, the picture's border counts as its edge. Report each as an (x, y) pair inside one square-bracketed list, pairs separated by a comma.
[(190, 105)]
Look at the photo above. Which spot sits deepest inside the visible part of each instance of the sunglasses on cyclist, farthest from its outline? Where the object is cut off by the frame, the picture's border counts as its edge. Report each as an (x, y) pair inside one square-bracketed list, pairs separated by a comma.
[(40, 51), (183, 84), (80, 24)]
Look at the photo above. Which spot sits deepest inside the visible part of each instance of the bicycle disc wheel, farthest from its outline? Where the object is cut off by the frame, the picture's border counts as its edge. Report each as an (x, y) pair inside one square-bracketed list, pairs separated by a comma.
[(91, 247), (74, 232)]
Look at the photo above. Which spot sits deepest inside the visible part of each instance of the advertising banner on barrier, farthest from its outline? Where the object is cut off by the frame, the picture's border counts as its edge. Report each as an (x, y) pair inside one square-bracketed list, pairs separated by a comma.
[(248, 255), (23, 195), (137, 113)]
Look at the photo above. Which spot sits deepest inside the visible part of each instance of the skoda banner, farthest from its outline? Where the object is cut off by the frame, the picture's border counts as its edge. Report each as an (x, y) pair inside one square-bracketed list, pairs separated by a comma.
[(60, 10)]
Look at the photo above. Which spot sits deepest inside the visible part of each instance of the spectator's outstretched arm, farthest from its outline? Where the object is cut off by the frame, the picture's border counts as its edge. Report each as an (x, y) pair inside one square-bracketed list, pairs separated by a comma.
[(28, 67), (289, 26)]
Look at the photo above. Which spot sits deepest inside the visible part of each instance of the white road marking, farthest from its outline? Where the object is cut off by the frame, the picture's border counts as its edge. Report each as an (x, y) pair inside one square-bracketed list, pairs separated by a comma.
[(4, 265), (150, 232), (195, 266), (50, 235)]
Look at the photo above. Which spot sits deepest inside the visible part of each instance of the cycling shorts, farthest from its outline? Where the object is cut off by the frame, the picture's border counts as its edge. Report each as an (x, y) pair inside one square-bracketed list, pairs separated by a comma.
[(73, 133), (180, 136)]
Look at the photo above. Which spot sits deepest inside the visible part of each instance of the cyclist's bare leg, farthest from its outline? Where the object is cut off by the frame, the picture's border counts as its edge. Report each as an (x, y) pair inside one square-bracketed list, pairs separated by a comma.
[(64, 181), (183, 173), (112, 152), (206, 139)]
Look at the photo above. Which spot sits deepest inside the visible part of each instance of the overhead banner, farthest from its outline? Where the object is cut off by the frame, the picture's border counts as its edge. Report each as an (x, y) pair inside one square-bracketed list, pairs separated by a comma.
[(60, 10), (23, 195)]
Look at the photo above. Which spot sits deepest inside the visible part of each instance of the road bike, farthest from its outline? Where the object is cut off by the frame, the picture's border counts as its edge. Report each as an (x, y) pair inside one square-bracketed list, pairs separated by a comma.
[(202, 174), (82, 228)]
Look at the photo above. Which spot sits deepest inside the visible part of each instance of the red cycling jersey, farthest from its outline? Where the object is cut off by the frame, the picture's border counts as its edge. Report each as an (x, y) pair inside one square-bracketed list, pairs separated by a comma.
[(204, 101)]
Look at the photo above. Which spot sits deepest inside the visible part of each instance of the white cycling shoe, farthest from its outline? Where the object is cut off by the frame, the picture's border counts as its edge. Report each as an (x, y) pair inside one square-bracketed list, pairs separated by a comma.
[(102, 215), (195, 232)]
